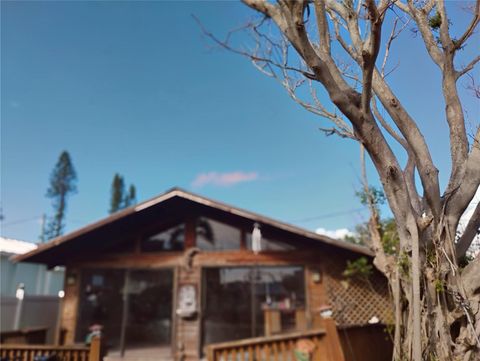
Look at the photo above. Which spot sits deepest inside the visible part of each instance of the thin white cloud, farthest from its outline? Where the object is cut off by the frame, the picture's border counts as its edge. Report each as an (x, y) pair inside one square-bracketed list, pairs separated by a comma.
[(223, 179), (340, 233)]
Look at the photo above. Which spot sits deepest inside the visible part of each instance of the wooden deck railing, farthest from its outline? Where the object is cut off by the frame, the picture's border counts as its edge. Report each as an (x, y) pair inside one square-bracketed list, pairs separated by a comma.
[(280, 347), (31, 335), (12, 352)]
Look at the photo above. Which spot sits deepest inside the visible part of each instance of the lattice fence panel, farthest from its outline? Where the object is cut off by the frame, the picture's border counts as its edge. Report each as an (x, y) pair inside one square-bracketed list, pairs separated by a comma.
[(355, 301)]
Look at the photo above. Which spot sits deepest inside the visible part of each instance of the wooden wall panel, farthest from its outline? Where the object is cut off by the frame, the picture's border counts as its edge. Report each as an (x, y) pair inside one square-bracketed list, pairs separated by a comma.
[(316, 295), (187, 331), (69, 310), (323, 280)]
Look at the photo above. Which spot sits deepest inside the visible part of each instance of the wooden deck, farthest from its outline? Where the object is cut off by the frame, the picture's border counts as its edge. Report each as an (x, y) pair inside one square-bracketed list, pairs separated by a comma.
[(141, 354)]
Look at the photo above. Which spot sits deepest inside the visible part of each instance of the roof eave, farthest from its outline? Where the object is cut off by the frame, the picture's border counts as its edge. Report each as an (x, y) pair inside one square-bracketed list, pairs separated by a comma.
[(177, 192)]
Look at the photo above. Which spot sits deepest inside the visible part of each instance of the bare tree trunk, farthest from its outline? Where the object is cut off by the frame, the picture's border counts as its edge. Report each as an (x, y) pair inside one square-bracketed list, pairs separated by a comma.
[(436, 307)]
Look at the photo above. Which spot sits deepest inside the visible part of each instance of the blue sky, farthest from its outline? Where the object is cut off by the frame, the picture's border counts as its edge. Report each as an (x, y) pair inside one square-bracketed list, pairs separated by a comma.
[(134, 88)]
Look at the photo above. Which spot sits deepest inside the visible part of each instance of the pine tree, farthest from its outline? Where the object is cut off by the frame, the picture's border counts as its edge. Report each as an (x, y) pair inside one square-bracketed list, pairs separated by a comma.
[(117, 193), (121, 199), (62, 184), (131, 197)]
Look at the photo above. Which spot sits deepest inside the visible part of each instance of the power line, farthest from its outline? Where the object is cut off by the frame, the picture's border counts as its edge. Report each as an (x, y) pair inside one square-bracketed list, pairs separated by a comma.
[(302, 220), (328, 215), (38, 218), (18, 221)]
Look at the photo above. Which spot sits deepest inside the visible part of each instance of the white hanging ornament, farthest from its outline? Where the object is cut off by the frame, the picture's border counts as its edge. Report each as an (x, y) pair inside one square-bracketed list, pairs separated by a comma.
[(256, 239)]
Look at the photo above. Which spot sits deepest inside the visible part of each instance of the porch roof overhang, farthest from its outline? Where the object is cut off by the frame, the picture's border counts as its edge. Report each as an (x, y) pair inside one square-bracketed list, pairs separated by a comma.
[(174, 202)]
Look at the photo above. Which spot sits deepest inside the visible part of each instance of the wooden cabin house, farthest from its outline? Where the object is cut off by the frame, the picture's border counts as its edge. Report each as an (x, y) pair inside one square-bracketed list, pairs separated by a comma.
[(177, 272)]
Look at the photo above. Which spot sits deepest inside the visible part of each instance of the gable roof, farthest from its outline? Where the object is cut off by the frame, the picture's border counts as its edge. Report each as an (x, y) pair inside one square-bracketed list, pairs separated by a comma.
[(129, 216)]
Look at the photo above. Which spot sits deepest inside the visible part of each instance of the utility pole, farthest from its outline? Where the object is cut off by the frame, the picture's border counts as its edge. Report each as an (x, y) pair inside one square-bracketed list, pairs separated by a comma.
[(42, 234), (2, 218)]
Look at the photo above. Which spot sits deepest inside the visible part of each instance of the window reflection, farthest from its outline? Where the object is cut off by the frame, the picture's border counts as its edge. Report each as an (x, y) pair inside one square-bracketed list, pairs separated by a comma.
[(150, 308), (143, 298), (101, 303), (240, 302), (216, 236), (171, 239), (269, 244)]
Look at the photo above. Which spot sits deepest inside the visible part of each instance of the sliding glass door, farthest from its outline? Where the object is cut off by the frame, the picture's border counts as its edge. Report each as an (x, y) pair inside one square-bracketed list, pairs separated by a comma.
[(101, 303), (149, 309), (243, 302), (134, 307)]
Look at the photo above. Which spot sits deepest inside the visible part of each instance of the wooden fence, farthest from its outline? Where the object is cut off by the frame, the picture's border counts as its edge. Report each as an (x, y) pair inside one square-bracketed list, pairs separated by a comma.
[(366, 343), (11, 352), (280, 347)]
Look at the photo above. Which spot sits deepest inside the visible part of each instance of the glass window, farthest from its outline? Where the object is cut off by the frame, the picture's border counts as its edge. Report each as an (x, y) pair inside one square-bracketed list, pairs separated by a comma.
[(101, 303), (149, 308), (269, 244), (279, 292), (147, 294), (171, 239), (240, 301), (227, 304), (216, 236)]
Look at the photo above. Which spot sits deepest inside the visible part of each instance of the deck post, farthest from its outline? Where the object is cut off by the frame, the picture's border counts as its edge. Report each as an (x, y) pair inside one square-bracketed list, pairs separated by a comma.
[(210, 353), (333, 340), (94, 354)]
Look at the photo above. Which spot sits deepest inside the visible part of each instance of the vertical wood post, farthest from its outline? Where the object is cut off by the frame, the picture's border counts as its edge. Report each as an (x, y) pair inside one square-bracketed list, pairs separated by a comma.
[(125, 309), (58, 324), (69, 310), (94, 353), (333, 340), (210, 353), (190, 233)]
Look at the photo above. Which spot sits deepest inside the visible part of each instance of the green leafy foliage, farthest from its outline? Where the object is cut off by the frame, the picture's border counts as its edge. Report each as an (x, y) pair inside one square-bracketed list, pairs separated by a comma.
[(62, 184), (390, 237), (375, 194), (435, 21), (360, 268), (388, 231), (439, 286), (404, 263)]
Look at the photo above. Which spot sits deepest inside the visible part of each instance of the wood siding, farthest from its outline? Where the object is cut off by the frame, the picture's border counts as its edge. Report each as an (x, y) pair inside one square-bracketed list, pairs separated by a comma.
[(187, 331), (70, 304), (322, 273)]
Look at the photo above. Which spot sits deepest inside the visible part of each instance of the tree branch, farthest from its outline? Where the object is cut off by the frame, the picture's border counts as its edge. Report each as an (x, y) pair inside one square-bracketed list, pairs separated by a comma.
[(459, 198), (421, 19), (471, 230), (322, 26), (471, 27), (370, 53), (393, 35), (388, 128), (445, 38), (469, 67)]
